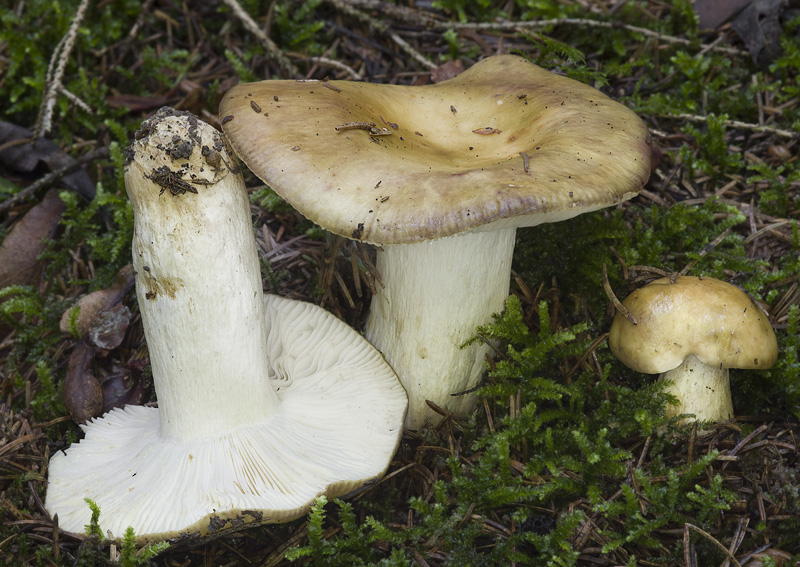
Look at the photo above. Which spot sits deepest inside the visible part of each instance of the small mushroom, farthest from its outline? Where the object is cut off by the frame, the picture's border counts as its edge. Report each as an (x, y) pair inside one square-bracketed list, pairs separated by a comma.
[(264, 403), (691, 331), (526, 147)]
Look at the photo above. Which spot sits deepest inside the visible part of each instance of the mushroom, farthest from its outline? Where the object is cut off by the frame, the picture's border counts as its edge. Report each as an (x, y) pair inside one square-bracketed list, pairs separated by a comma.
[(264, 403), (439, 176), (692, 330)]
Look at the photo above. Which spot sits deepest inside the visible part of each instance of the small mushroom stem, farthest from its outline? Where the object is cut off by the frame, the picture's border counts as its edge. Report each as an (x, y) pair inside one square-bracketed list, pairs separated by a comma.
[(207, 346), (701, 389), (436, 293)]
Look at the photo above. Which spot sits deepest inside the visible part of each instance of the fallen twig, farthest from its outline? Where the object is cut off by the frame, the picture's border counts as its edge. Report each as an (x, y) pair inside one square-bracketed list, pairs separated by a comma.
[(736, 124), (55, 72), (52, 177), (500, 26), (347, 8), (617, 303), (327, 62), (712, 539), (273, 50)]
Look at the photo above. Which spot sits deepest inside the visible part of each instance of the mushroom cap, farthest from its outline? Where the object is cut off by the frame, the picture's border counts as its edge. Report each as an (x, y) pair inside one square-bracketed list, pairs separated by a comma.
[(453, 160), (714, 320), (339, 422)]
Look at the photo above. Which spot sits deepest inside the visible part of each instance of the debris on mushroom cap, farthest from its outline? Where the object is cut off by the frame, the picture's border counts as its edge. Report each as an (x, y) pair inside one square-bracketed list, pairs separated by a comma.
[(265, 403), (524, 143), (713, 320)]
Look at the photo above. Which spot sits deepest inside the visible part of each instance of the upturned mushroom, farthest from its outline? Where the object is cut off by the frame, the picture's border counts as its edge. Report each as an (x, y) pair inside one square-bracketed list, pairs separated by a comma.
[(439, 177), (264, 403), (691, 331)]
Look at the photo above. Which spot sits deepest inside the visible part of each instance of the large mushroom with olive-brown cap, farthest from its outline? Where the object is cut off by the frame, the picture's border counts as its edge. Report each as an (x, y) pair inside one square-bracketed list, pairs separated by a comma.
[(439, 177), (264, 403), (692, 330)]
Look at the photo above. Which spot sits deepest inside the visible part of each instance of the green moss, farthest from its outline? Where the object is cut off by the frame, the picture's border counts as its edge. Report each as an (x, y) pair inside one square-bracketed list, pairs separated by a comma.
[(557, 54), (130, 555), (47, 402), (30, 35), (269, 200), (240, 67), (654, 505), (104, 227), (297, 24), (572, 252), (775, 391), (456, 47), (786, 69), (36, 321), (569, 437), (575, 441), (352, 547), (711, 155), (776, 198), (467, 10)]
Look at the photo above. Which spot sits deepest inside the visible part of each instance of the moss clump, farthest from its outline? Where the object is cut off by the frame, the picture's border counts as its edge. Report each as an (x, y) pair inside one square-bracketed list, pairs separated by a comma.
[(129, 555), (565, 437)]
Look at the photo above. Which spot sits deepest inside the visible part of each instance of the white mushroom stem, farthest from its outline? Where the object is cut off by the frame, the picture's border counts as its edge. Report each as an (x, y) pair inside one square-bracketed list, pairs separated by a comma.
[(436, 293), (701, 389), (199, 288)]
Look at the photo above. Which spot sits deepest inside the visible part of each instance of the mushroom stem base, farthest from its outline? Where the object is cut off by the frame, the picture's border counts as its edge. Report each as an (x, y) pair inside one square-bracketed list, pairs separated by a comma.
[(701, 390), (436, 293)]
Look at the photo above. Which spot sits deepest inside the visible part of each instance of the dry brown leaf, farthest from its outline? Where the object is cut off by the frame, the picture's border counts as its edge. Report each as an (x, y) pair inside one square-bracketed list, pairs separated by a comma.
[(19, 252), (712, 13), (447, 71), (27, 157), (759, 26), (82, 393), (122, 386)]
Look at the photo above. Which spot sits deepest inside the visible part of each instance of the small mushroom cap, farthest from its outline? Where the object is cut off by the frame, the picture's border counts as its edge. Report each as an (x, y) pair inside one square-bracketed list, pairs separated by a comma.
[(339, 423), (504, 143), (715, 321)]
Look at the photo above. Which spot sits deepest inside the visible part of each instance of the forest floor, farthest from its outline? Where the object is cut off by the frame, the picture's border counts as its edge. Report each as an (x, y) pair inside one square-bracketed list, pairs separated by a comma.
[(570, 458)]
